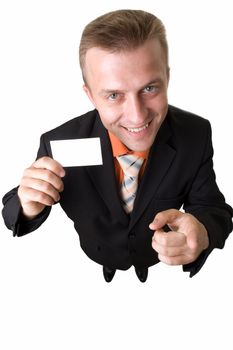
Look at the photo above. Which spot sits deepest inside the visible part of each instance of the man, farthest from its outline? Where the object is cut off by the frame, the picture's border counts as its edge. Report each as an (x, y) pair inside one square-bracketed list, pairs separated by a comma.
[(156, 159)]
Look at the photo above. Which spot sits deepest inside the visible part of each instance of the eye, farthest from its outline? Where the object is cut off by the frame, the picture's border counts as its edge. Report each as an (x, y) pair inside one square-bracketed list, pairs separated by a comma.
[(150, 89), (113, 96)]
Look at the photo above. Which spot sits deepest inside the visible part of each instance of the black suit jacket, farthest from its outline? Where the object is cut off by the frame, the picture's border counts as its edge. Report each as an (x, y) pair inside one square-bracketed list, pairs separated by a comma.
[(179, 173)]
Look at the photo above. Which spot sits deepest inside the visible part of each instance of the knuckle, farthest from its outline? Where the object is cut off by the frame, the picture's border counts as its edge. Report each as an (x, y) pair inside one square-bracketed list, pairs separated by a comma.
[(193, 244), (165, 251), (22, 182), (48, 176), (22, 192), (170, 260), (165, 259), (46, 187), (159, 216), (42, 162), (163, 240), (26, 172), (41, 197), (44, 159)]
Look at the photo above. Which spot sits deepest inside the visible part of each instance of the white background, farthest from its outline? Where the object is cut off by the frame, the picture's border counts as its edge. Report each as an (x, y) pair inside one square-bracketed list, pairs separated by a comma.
[(51, 295)]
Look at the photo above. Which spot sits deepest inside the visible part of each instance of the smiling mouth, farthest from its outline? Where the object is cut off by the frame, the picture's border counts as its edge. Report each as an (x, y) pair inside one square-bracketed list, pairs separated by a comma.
[(136, 130)]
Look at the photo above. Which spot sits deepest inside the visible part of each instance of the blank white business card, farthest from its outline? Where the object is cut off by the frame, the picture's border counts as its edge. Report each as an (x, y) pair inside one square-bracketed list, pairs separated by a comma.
[(77, 152)]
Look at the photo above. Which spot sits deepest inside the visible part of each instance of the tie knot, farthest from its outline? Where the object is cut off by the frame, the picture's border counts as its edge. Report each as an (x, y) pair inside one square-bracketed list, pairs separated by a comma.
[(130, 164)]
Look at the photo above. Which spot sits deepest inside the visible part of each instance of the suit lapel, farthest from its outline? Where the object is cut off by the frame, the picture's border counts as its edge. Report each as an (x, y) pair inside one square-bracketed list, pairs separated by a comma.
[(160, 159), (103, 177)]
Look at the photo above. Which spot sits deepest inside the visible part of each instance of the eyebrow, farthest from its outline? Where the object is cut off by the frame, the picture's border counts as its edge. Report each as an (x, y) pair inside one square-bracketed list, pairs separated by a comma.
[(110, 91)]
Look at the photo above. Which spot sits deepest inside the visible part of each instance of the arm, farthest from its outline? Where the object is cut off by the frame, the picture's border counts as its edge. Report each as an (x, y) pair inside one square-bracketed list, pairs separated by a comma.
[(27, 206), (205, 225), (13, 218), (207, 204)]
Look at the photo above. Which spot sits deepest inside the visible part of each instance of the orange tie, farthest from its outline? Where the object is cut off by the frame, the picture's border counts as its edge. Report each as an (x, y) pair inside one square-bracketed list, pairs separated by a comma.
[(130, 165)]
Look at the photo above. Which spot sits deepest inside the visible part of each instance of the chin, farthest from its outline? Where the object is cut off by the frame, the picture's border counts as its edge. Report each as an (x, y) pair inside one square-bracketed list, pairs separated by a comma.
[(139, 147)]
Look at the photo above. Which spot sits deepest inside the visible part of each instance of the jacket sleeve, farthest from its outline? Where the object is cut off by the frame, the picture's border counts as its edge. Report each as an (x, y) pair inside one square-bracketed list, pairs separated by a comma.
[(207, 204), (12, 209)]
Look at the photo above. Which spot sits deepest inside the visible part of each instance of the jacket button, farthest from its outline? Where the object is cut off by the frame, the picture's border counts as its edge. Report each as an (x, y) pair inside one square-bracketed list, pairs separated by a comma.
[(132, 235)]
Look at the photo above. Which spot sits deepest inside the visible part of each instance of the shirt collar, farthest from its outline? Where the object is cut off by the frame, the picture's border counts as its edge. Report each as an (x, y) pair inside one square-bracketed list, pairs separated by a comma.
[(118, 148)]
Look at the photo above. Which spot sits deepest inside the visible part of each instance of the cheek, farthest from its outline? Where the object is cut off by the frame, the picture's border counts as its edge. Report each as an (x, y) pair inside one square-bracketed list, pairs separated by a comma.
[(109, 115), (159, 104)]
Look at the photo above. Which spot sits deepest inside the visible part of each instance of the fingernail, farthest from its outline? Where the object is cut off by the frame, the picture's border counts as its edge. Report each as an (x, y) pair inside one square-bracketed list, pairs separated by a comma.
[(62, 173), (153, 224)]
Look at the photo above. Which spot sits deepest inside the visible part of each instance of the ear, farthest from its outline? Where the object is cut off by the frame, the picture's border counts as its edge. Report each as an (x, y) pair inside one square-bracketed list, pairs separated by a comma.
[(89, 94)]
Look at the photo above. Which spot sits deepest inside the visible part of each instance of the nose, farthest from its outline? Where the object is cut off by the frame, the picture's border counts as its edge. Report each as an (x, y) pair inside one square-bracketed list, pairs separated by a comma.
[(135, 111)]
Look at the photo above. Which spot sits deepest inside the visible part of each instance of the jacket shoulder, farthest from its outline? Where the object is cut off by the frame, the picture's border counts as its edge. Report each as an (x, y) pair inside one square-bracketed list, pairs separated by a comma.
[(188, 127), (181, 118)]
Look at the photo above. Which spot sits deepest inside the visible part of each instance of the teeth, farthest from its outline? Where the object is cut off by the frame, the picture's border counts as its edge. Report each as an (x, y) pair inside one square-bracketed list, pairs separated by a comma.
[(138, 129)]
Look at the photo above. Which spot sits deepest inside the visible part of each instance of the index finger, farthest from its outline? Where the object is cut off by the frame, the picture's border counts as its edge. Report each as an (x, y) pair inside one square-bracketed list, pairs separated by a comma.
[(169, 239), (168, 217), (50, 164)]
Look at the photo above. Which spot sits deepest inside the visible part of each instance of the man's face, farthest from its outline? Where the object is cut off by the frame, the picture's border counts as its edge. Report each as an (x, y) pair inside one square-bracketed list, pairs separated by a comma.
[(129, 90)]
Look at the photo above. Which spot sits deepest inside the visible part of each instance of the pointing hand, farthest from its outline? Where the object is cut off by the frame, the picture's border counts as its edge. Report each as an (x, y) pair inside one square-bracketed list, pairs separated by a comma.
[(184, 243)]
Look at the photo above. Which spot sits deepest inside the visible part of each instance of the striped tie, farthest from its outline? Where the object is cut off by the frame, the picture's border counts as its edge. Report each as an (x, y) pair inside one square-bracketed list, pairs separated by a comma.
[(130, 165)]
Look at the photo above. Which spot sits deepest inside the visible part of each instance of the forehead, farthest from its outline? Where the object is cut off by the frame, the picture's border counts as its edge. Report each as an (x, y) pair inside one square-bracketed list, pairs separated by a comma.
[(142, 63)]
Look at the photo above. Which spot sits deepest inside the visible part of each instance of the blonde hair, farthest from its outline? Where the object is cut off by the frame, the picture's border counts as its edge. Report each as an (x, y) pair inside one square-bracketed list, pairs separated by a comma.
[(122, 30)]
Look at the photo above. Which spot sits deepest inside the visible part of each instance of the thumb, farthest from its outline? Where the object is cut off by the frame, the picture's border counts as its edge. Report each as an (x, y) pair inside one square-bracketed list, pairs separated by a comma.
[(167, 217)]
